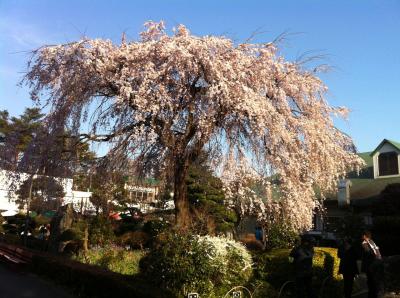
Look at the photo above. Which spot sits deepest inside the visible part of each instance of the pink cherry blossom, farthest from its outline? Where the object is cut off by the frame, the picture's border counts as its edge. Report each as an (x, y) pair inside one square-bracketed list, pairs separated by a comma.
[(162, 99)]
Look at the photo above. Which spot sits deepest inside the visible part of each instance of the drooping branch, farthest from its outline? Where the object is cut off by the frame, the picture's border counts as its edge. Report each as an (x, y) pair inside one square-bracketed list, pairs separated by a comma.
[(162, 99)]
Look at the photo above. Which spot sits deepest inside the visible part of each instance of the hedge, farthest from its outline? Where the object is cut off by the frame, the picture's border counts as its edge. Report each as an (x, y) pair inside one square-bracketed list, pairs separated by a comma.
[(274, 268), (385, 232), (91, 281), (392, 274)]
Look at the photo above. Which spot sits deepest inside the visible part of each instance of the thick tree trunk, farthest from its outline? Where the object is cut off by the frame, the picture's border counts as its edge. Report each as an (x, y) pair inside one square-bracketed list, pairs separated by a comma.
[(182, 212)]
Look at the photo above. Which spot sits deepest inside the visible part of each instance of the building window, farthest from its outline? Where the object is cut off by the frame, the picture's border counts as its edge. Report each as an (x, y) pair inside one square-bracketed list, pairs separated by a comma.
[(388, 164), (368, 220)]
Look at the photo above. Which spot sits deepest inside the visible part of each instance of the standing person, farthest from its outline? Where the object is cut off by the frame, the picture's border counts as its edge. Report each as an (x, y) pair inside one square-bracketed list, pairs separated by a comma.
[(347, 254), (302, 259), (372, 265)]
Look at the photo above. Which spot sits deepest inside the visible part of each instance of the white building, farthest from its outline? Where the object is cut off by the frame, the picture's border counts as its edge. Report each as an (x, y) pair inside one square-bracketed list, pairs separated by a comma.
[(8, 207), (360, 192), (386, 159), (145, 196)]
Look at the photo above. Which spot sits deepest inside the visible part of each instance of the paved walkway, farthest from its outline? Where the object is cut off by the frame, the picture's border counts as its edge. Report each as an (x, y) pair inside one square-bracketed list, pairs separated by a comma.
[(360, 289), (17, 284)]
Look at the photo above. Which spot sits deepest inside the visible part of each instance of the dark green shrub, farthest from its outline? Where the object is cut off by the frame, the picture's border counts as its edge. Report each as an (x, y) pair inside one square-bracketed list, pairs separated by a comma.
[(207, 265), (274, 268), (11, 229), (128, 225), (92, 281), (154, 228), (388, 203), (42, 220), (73, 238), (385, 232), (207, 200), (280, 236), (392, 274), (351, 226), (17, 219), (252, 243), (101, 231), (70, 235), (135, 240)]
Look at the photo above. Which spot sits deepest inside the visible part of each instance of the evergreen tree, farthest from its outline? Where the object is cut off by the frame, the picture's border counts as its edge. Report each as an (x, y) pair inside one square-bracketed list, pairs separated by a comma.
[(45, 193), (17, 134), (107, 189), (207, 200)]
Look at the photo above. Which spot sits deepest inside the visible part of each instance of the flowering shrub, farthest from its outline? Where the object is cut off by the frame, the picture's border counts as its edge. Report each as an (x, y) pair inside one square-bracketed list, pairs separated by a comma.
[(207, 265)]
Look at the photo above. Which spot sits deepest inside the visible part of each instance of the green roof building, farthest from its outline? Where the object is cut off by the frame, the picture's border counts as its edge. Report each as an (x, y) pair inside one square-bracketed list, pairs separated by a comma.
[(358, 192)]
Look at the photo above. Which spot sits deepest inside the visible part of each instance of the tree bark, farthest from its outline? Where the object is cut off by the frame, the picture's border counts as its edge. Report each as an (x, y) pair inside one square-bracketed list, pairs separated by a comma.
[(182, 212)]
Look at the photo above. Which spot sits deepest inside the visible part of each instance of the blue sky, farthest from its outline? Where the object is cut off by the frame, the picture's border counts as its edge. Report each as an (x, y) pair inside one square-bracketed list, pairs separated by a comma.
[(360, 39)]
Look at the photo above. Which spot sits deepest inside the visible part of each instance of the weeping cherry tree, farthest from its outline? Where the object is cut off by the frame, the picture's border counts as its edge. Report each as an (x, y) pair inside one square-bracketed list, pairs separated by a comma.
[(160, 100)]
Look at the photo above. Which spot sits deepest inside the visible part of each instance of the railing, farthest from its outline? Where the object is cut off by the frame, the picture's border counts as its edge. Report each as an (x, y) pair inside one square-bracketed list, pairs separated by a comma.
[(236, 292), (320, 293), (15, 254), (284, 286)]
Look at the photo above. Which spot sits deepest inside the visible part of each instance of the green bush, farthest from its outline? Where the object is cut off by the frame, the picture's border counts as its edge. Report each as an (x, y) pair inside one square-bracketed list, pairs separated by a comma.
[(252, 243), (125, 226), (351, 226), (274, 268), (155, 227), (42, 220), (92, 281), (101, 231), (135, 240), (385, 233), (281, 236), (113, 258), (392, 274), (207, 265), (70, 235)]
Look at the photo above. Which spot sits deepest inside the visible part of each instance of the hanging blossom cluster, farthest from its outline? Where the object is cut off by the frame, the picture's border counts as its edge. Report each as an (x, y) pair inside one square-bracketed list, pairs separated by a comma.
[(164, 98)]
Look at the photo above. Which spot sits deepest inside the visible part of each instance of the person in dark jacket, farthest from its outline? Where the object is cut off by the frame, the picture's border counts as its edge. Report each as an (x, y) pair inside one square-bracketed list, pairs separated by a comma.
[(302, 259), (372, 265), (347, 253)]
